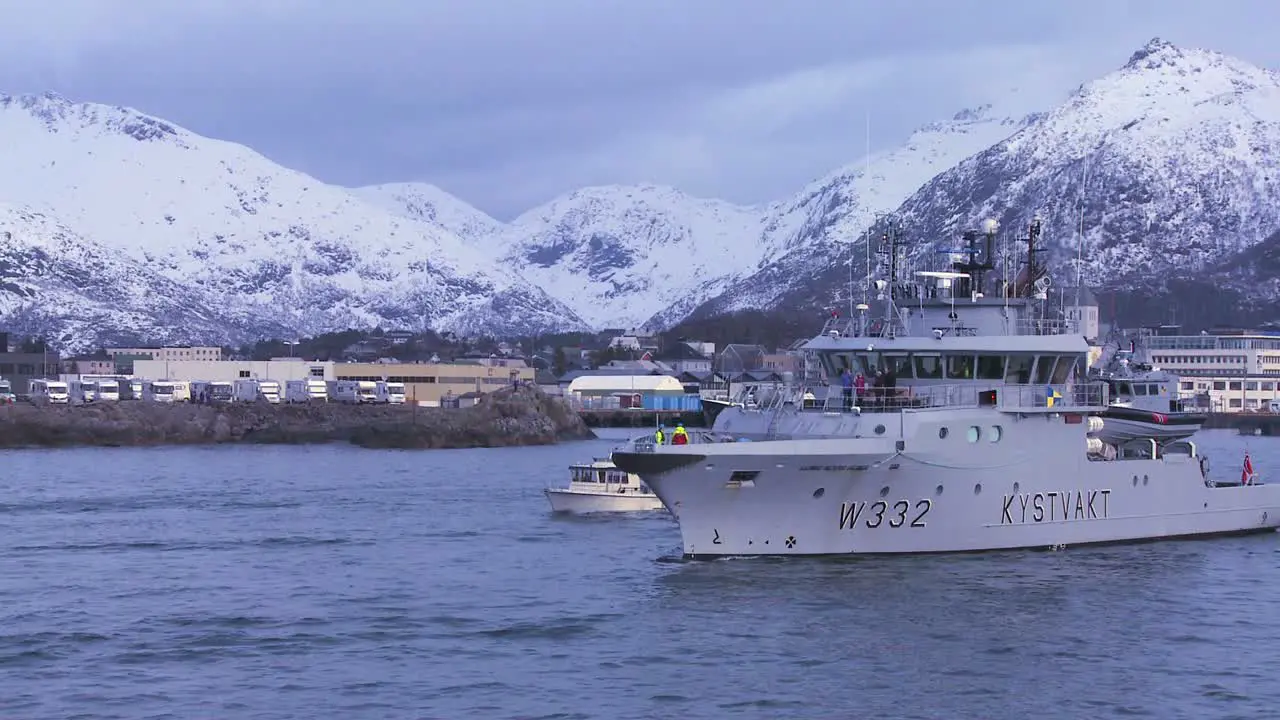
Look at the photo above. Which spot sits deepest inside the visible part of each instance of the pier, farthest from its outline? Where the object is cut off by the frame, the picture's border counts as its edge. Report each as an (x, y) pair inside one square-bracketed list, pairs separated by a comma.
[(1247, 423)]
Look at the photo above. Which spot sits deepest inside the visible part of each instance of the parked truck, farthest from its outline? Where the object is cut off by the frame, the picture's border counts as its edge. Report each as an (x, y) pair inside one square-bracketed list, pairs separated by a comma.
[(6, 392), (395, 393)]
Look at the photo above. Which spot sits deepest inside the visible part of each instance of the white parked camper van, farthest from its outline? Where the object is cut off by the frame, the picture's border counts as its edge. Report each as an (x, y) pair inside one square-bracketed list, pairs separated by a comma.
[(245, 391), (269, 390), (171, 391), (50, 391), (395, 393), (344, 391), (83, 391), (108, 389), (369, 391), (309, 390)]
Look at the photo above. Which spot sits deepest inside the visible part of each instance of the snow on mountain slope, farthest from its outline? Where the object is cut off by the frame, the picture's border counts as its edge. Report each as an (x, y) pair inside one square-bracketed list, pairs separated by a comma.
[(428, 203), (818, 227), (1172, 160), (80, 296), (620, 254), (274, 245)]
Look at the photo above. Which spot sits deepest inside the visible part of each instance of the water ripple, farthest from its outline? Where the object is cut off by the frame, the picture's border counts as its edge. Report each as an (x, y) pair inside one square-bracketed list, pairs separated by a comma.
[(333, 582)]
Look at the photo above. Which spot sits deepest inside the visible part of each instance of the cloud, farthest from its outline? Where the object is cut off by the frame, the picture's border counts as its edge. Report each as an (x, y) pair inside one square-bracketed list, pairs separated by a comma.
[(509, 104)]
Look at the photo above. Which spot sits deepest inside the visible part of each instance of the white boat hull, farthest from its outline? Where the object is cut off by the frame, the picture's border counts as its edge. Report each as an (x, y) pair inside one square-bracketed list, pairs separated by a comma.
[(1034, 489), (572, 501)]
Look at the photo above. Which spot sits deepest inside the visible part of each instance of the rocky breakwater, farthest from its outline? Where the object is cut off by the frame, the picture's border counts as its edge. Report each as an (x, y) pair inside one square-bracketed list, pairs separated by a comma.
[(513, 416)]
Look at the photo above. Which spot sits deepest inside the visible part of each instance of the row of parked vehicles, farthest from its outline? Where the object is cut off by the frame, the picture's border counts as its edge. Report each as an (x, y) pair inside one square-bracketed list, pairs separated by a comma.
[(89, 389)]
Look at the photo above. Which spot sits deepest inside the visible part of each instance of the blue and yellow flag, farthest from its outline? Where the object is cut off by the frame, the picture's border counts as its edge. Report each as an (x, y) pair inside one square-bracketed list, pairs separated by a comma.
[(1051, 396)]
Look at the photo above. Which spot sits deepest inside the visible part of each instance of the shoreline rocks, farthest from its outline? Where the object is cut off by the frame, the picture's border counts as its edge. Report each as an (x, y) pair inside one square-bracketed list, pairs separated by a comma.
[(511, 416)]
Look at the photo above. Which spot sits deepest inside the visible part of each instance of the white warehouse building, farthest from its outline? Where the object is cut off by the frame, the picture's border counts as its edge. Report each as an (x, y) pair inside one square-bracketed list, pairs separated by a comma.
[(232, 370)]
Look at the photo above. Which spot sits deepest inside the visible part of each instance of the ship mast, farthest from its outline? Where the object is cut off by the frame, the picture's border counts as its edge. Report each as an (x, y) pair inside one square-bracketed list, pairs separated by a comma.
[(890, 289)]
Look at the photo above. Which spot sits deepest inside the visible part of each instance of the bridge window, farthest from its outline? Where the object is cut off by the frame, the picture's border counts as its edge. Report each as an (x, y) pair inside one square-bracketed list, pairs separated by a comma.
[(990, 367), (929, 367), (1139, 388), (1066, 365), (900, 364), (960, 367), (1019, 370), (1044, 368)]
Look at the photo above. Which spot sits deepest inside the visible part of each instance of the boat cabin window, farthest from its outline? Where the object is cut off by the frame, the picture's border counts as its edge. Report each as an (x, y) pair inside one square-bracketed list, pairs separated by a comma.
[(1139, 388), (582, 475), (990, 367), (928, 367), (1018, 371)]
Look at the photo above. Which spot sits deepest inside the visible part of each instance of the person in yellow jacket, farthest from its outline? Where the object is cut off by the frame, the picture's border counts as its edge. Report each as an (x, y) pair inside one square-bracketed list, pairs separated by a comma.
[(679, 437), (659, 436)]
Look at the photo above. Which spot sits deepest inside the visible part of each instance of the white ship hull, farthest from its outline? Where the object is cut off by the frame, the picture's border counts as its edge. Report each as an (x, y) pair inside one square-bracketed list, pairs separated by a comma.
[(574, 501), (1034, 488)]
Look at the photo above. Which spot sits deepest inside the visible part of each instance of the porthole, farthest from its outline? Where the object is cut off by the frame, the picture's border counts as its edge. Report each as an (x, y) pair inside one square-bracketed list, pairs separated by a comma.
[(819, 492), (996, 433), (884, 491), (1135, 481), (879, 429), (1145, 480), (942, 432), (937, 490), (1015, 488), (974, 433), (977, 489)]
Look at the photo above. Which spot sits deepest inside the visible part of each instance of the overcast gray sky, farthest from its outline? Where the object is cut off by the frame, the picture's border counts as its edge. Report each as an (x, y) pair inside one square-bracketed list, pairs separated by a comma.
[(507, 104)]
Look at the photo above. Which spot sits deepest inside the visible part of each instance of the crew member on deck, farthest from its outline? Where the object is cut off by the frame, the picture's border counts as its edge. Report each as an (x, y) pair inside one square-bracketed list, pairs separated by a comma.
[(679, 437), (846, 381), (659, 437)]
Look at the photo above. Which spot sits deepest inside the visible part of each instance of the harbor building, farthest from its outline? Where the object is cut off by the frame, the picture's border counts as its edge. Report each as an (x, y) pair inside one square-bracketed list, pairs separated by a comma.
[(125, 357), (1226, 370), (442, 383), (231, 370)]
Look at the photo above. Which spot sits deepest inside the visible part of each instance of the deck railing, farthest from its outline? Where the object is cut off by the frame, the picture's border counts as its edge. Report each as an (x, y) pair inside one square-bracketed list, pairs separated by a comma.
[(829, 398)]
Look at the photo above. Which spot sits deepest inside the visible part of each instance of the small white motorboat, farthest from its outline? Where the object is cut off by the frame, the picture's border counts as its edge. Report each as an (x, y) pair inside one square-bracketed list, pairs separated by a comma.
[(599, 486)]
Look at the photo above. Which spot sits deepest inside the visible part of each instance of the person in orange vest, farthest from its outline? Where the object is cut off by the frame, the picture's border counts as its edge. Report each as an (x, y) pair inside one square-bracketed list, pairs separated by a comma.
[(679, 436)]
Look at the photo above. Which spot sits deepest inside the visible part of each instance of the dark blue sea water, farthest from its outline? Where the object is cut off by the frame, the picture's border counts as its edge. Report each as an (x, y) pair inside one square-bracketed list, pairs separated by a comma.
[(331, 582)]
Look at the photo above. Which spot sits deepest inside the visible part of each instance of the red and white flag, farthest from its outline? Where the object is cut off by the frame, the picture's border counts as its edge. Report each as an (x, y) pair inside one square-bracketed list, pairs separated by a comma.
[(1246, 475)]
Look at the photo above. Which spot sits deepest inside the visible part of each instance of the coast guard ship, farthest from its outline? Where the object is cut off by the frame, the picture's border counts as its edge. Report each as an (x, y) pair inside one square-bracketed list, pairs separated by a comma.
[(979, 430)]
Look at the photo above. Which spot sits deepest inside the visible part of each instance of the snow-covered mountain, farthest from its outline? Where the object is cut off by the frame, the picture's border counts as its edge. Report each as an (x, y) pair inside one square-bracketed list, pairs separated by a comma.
[(78, 295), (273, 246), (619, 254), (1171, 162), (430, 204), (624, 256), (820, 227)]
